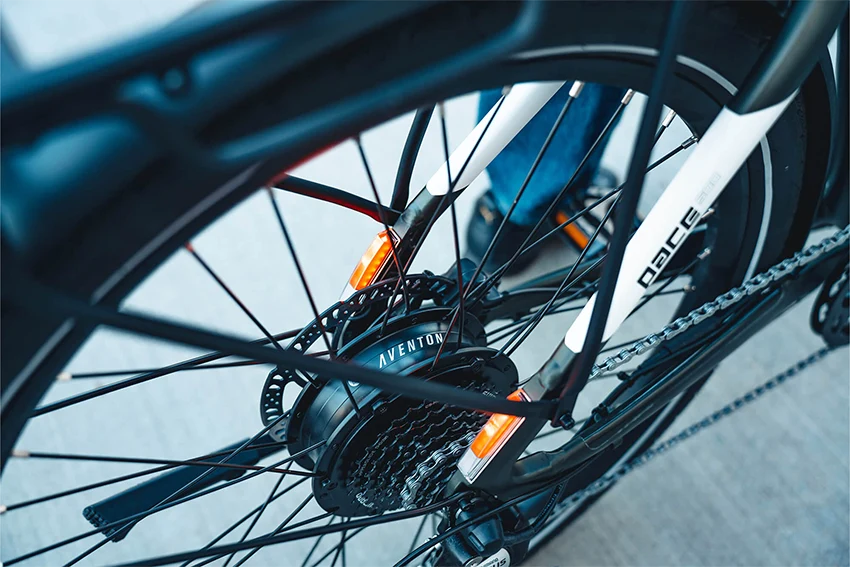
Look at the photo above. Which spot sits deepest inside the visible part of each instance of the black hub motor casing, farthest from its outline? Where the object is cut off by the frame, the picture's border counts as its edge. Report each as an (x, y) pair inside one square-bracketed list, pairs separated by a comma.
[(366, 458)]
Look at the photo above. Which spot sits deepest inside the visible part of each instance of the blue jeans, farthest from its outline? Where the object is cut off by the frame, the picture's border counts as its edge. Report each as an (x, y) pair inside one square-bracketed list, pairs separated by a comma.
[(582, 124)]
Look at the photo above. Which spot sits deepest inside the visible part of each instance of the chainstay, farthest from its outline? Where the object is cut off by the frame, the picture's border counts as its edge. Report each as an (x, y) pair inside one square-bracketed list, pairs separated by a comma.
[(750, 287)]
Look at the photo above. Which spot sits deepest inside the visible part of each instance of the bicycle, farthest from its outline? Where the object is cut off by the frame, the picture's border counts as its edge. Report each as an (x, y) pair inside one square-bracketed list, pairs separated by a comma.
[(404, 400)]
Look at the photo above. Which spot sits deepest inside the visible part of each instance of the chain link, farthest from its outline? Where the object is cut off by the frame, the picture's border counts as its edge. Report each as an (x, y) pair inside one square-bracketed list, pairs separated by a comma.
[(427, 467)]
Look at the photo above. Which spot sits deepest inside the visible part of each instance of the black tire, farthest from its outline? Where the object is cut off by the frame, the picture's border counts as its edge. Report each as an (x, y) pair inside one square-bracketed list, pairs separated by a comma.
[(106, 251)]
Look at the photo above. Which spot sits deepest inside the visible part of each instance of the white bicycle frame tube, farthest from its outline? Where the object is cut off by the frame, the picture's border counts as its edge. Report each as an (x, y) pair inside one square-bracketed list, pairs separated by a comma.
[(521, 104), (711, 165)]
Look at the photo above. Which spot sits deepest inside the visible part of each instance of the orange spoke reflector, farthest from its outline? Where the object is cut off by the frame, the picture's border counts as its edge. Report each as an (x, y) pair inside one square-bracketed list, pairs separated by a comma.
[(372, 261), (498, 427)]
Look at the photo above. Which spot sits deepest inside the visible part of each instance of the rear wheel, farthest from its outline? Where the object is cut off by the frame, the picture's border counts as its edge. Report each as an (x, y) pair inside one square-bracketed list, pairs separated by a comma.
[(609, 46)]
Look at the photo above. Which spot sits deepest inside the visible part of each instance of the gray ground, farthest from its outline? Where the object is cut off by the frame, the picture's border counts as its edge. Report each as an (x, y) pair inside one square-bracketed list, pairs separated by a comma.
[(768, 486)]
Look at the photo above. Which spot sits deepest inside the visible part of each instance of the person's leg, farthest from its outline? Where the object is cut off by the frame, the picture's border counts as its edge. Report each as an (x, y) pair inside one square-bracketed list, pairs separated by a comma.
[(583, 122)]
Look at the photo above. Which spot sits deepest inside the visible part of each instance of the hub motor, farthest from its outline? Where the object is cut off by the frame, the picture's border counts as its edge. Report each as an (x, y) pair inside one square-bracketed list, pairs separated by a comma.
[(370, 450)]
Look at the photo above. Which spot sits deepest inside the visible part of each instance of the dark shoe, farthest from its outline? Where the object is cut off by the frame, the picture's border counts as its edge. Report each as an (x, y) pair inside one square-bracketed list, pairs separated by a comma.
[(578, 233), (486, 219)]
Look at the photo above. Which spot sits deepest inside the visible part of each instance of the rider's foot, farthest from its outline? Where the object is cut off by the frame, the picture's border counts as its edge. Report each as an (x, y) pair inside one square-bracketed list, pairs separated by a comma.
[(482, 228), (486, 219)]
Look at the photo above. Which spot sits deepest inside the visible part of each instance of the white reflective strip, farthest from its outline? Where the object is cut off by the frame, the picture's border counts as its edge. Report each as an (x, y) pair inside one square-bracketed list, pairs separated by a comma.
[(521, 104), (726, 145)]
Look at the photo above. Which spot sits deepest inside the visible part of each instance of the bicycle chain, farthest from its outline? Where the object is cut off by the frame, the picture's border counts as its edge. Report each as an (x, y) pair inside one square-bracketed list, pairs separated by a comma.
[(437, 459), (751, 286)]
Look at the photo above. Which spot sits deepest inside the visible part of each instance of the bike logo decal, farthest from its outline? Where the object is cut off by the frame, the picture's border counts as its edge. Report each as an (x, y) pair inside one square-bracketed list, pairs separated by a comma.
[(680, 231), (407, 347)]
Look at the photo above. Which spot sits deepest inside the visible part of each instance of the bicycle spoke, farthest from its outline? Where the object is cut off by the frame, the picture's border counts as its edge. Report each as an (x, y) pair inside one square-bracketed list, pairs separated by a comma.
[(306, 522), (207, 268), (295, 260), (114, 480), (328, 553), (508, 329), (87, 552), (294, 535), (503, 268), (459, 313), (671, 115), (67, 376), (257, 517), (339, 548), (276, 531), (23, 454), (449, 194), (563, 289), (491, 281), (163, 506), (575, 91), (418, 533), (522, 334), (241, 521), (196, 481), (393, 250), (315, 546), (126, 528), (140, 379)]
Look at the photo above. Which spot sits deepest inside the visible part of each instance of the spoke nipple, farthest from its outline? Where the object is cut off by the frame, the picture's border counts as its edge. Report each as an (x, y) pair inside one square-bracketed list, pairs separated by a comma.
[(705, 253), (506, 89), (576, 89), (64, 376), (707, 213), (188, 246), (669, 118), (3, 509), (627, 98), (689, 288), (689, 142), (20, 453)]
